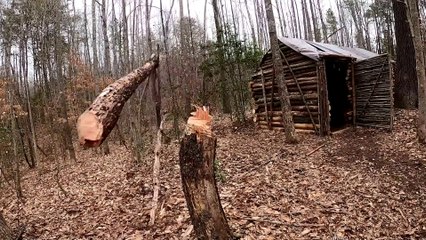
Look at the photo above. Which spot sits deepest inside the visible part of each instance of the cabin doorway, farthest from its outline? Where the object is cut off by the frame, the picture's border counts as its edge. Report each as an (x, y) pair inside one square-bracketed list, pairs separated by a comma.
[(339, 94)]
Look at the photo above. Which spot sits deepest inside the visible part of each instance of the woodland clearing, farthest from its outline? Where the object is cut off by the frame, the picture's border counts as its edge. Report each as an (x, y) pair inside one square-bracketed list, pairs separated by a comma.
[(359, 184)]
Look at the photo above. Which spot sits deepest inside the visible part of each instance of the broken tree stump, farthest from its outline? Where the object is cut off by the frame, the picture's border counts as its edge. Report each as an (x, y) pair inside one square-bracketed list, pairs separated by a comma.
[(196, 158), (95, 124)]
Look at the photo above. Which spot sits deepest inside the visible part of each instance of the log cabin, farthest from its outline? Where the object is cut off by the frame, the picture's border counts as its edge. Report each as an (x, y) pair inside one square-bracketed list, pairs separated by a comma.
[(330, 88)]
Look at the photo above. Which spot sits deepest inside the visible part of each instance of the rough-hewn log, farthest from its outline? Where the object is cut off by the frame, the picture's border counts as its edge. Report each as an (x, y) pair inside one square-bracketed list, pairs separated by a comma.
[(196, 158), (95, 124)]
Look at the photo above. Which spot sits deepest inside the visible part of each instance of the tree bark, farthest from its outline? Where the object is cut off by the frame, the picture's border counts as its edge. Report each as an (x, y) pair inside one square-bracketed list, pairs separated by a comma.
[(200, 189), (323, 26), (279, 75), (196, 158), (94, 41), (224, 91), (95, 124), (414, 19), (406, 87), (107, 56)]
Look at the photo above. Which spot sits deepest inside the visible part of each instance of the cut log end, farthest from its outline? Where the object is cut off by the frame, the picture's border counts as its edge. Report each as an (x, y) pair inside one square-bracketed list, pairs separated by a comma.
[(89, 130)]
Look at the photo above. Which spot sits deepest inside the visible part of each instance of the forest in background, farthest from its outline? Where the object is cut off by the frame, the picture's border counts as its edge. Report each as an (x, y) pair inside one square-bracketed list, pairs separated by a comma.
[(56, 56)]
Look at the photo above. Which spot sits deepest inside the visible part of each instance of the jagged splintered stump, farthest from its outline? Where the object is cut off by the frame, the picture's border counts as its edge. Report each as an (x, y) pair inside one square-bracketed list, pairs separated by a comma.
[(197, 154), (95, 124)]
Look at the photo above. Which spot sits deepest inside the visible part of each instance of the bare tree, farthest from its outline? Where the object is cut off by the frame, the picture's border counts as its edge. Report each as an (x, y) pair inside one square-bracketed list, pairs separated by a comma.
[(107, 56), (222, 79), (279, 75), (94, 40), (414, 20), (406, 87)]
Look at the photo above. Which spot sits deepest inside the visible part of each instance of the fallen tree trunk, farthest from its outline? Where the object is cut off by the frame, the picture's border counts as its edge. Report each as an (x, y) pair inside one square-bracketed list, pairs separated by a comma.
[(196, 158), (95, 124)]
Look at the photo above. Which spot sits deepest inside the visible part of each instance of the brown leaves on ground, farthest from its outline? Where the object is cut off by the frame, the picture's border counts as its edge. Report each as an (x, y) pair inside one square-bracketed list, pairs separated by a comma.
[(362, 184)]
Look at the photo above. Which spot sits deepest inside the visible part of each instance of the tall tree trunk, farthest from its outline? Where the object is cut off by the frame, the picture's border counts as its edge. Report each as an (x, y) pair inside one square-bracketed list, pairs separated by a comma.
[(294, 18), (125, 35), (307, 20), (416, 33), (24, 66), (253, 34), (94, 40), (323, 26), (184, 79), (107, 56), (279, 75), (317, 33), (17, 170), (224, 89), (63, 114), (86, 35), (118, 68), (406, 84)]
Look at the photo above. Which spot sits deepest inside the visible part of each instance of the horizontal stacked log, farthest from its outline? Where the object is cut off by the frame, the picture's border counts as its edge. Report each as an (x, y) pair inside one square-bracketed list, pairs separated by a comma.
[(265, 91), (373, 90)]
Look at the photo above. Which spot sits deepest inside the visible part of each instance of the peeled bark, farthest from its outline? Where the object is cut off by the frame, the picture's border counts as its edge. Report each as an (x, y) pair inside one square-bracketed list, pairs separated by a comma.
[(95, 124), (197, 154)]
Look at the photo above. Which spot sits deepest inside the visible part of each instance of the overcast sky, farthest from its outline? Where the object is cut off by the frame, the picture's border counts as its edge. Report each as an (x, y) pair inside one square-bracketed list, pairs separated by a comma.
[(197, 10)]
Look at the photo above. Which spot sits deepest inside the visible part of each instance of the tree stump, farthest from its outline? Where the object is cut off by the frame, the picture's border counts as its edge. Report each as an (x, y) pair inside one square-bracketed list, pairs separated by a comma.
[(197, 154)]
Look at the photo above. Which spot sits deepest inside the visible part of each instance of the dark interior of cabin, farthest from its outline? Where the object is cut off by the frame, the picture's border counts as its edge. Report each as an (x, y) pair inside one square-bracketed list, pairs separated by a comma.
[(338, 92)]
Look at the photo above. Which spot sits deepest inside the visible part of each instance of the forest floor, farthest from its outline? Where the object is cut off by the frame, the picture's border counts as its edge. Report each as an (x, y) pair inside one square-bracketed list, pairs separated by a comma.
[(359, 184)]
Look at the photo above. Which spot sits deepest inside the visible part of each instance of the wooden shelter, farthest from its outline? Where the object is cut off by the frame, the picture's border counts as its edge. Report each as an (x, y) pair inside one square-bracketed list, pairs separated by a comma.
[(330, 87)]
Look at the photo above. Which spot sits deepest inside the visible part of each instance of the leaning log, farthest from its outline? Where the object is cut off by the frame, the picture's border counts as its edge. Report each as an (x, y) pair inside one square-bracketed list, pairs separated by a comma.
[(196, 158), (95, 124)]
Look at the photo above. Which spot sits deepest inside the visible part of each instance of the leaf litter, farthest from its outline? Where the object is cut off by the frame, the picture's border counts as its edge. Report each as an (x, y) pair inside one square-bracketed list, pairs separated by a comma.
[(359, 184)]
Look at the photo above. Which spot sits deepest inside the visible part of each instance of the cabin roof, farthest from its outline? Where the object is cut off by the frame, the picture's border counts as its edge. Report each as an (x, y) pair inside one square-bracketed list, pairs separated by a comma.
[(316, 51)]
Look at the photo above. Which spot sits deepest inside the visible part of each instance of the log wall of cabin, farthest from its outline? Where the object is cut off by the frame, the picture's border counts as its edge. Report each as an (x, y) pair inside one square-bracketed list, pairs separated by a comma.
[(297, 67), (374, 92)]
